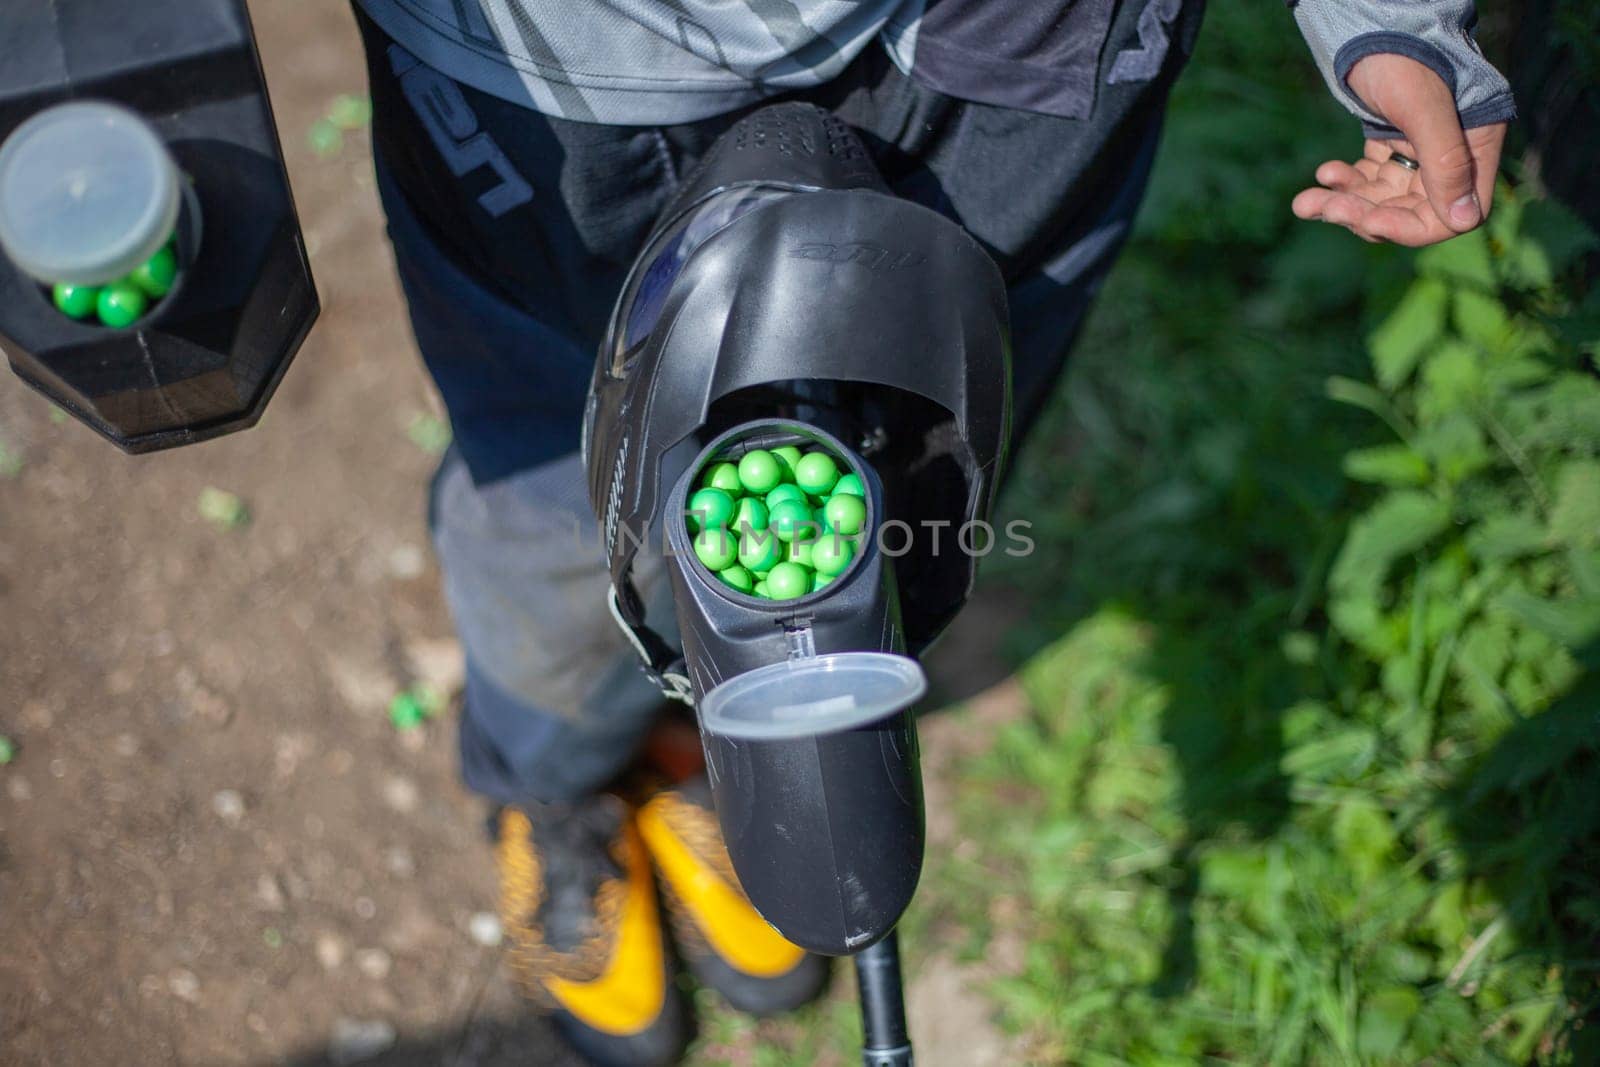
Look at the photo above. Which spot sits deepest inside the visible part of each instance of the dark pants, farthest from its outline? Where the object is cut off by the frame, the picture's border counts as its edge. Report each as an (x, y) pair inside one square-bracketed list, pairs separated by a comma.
[(512, 232)]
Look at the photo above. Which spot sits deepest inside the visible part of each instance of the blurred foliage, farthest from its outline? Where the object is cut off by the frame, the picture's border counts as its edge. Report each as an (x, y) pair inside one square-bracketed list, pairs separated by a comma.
[(346, 112), (1313, 775), (222, 509), (1310, 774), (429, 433), (411, 708), (11, 462), (1551, 53)]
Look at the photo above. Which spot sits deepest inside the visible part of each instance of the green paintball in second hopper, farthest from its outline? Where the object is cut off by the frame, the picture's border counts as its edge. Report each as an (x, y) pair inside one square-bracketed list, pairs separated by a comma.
[(75, 301), (121, 303), (155, 275), (778, 523)]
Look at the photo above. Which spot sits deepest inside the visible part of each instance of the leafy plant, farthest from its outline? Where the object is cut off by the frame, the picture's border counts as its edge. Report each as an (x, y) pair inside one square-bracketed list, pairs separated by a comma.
[(1310, 777), (222, 509), (1309, 774)]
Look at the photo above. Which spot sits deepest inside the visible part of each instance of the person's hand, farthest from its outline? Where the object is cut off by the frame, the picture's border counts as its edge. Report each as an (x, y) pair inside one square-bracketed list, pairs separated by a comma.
[(1381, 200)]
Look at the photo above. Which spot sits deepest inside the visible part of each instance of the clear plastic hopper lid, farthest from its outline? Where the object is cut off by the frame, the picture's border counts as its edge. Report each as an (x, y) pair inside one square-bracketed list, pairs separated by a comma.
[(87, 193), (811, 696)]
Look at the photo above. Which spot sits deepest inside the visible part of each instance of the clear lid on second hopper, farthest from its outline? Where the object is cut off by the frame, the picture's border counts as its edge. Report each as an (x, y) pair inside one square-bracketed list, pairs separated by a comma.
[(88, 192)]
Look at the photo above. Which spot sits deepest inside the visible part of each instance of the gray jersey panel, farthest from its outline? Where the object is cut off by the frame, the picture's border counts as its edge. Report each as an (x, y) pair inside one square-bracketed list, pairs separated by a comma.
[(1438, 34), (635, 62), (661, 62)]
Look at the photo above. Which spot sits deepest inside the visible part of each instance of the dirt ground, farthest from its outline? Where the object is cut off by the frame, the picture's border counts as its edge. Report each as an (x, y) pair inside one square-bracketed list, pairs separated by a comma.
[(214, 847)]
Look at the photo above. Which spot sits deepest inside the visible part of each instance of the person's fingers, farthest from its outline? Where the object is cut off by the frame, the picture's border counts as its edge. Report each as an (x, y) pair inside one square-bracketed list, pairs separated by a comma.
[(1400, 182), (1427, 115), (1413, 227), (1380, 151), (1379, 165), (1307, 203), (1397, 178), (1380, 200), (1346, 209), (1486, 143), (1339, 209), (1337, 174)]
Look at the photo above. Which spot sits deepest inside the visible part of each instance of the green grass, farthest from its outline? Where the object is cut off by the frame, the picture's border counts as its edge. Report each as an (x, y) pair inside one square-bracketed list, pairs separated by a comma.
[(1310, 771), (1310, 774), (827, 1034)]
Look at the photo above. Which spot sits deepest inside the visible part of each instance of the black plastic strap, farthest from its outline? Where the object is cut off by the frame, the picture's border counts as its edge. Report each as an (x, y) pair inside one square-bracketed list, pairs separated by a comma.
[(660, 660)]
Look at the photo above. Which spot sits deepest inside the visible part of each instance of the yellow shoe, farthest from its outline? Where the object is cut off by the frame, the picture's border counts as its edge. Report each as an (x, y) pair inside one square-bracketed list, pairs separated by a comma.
[(578, 904), (723, 939)]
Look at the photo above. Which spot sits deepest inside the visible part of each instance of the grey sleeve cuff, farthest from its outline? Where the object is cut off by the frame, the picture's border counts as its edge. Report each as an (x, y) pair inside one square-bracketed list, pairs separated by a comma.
[(1435, 33)]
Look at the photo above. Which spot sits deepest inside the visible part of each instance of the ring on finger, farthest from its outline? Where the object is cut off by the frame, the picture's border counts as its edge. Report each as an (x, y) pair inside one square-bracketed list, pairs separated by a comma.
[(1404, 160)]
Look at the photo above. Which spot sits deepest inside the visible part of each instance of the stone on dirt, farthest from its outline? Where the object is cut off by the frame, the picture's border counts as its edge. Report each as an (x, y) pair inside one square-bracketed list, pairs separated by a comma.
[(484, 928), (375, 963), (437, 662), (400, 794), (184, 985), (355, 1040), (228, 805), (330, 951)]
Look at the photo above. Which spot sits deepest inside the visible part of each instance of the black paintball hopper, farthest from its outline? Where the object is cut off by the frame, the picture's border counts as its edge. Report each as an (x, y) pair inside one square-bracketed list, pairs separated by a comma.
[(207, 358), (787, 297)]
